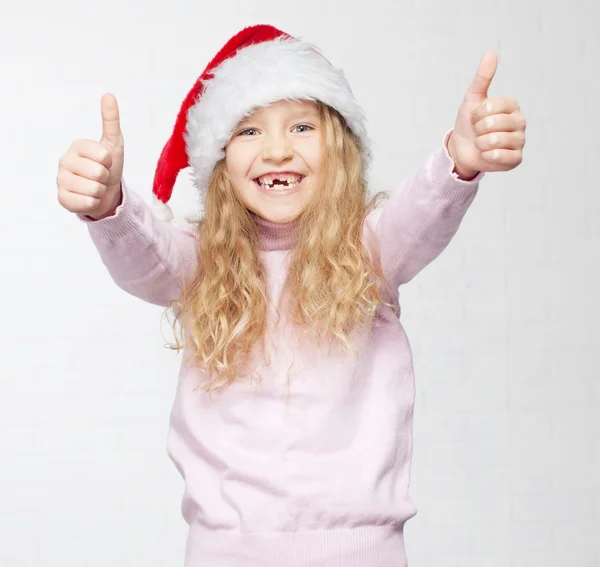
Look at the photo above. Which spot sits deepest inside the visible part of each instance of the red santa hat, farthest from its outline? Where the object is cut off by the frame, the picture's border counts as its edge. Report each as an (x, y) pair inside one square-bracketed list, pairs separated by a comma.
[(258, 66)]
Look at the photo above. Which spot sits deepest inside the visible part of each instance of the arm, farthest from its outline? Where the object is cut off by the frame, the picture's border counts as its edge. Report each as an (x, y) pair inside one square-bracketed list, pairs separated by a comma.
[(145, 256), (420, 218)]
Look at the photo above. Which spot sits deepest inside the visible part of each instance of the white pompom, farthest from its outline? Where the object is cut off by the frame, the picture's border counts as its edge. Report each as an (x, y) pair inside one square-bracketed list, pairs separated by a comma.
[(161, 210)]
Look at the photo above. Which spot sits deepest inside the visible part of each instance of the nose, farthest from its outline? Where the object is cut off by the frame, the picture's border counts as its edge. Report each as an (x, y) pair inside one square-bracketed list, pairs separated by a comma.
[(276, 148)]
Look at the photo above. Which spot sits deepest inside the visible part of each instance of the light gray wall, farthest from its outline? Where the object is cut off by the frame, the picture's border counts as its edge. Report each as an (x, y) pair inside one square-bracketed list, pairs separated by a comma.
[(504, 325)]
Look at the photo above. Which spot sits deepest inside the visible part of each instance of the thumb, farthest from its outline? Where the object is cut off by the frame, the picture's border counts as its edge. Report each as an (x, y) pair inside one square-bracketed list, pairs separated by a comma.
[(483, 78), (111, 124)]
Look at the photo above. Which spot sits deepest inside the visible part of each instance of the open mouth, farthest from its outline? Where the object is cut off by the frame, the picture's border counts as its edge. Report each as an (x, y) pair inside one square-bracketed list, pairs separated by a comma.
[(279, 181)]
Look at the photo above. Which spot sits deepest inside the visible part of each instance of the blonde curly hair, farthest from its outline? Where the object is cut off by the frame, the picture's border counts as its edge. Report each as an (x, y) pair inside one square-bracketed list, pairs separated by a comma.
[(333, 285)]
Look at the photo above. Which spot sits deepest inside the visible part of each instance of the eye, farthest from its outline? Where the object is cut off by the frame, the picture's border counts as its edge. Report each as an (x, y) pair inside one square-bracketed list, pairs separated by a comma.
[(247, 131), (305, 126)]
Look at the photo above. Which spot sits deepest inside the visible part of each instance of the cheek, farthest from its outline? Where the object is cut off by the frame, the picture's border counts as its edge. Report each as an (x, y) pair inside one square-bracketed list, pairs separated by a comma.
[(234, 167), (317, 164), (313, 156), (238, 159), (230, 161)]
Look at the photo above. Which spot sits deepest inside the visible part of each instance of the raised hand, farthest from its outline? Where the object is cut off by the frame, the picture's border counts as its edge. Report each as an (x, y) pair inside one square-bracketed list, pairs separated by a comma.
[(489, 134), (89, 173)]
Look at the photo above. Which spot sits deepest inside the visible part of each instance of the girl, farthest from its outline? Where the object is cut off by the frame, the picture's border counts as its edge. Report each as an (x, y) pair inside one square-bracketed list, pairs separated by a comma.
[(292, 423)]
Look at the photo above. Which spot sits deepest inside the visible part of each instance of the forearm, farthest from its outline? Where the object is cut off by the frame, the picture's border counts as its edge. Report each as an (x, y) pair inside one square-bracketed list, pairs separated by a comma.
[(145, 256), (420, 218)]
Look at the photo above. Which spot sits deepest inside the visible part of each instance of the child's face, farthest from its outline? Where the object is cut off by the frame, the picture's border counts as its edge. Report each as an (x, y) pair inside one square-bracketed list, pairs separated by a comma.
[(274, 159)]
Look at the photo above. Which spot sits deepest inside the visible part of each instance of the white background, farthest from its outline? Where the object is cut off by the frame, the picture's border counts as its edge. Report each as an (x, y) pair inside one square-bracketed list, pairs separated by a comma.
[(504, 324)]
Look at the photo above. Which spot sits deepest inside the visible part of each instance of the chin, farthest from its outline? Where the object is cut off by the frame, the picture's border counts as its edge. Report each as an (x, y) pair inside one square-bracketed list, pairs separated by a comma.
[(280, 218)]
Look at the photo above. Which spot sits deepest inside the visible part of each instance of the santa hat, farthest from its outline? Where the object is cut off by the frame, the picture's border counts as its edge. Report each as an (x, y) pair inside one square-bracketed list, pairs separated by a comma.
[(258, 66)]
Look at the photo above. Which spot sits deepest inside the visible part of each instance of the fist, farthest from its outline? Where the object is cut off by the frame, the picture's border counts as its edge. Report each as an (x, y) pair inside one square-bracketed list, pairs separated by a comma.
[(89, 173), (489, 133)]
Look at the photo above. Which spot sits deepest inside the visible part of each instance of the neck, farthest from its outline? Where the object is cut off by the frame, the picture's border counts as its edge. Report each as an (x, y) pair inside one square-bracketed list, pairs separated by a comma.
[(275, 236)]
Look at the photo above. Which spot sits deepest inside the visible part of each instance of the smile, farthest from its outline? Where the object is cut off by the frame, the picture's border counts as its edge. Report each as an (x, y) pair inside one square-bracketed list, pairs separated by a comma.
[(279, 182)]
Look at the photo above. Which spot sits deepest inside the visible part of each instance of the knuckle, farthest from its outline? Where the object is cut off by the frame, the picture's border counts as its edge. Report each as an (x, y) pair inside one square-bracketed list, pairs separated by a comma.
[(91, 203), (75, 146), (98, 190), (104, 156), (61, 178), (64, 163), (98, 173)]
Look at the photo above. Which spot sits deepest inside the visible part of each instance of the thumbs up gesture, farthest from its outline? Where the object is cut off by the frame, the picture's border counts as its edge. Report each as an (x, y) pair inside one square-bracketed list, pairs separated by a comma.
[(89, 173), (489, 134)]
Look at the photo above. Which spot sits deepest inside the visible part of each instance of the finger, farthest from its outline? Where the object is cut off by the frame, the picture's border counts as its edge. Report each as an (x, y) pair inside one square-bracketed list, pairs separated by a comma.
[(92, 150), (494, 105), (85, 167), (501, 140), (77, 203), (111, 123), (503, 159), (72, 183), (483, 77), (501, 123)]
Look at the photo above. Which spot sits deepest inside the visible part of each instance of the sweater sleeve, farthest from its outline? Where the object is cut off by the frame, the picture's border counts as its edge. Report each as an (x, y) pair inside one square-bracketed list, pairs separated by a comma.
[(421, 216), (145, 256)]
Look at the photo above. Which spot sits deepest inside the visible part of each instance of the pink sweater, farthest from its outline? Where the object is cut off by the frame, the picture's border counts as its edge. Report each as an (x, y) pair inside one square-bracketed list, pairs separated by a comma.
[(314, 472)]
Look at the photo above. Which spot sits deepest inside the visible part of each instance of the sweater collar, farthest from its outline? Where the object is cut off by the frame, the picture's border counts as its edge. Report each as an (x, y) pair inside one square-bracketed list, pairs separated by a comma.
[(275, 236)]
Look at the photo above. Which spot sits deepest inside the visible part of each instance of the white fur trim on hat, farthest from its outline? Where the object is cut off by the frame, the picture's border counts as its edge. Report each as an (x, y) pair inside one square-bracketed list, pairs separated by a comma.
[(257, 76), (161, 210)]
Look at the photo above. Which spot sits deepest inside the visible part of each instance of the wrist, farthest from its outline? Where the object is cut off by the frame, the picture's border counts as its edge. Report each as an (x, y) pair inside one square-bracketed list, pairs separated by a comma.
[(111, 211), (465, 174)]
